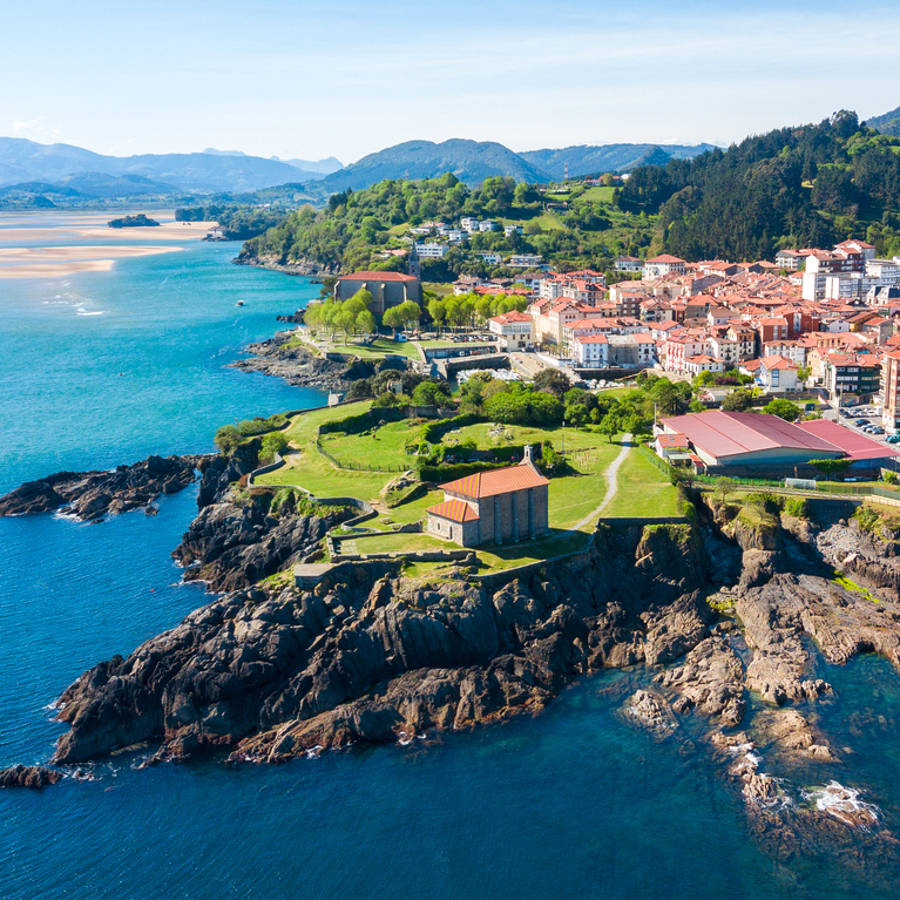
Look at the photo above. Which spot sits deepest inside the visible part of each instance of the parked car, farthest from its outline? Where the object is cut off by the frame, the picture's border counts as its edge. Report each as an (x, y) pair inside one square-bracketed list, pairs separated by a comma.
[(877, 429), (861, 422), (894, 438)]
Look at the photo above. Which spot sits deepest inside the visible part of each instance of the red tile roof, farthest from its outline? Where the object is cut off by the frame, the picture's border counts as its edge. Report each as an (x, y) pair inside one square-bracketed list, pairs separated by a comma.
[(455, 510), (496, 481), (377, 276)]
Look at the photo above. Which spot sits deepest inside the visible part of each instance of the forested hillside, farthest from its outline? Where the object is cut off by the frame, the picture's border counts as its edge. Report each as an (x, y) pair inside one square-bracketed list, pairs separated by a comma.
[(573, 227), (794, 187)]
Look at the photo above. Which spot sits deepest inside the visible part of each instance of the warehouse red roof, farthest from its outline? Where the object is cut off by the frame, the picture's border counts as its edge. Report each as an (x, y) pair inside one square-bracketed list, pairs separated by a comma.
[(496, 481), (855, 445), (723, 434)]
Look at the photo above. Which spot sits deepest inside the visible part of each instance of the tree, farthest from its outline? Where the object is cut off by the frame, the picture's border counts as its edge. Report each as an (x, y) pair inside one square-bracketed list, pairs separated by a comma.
[(273, 443), (736, 401), (782, 408), (609, 425), (552, 381), (438, 312), (430, 393), (392, 318), (365, 322), (409, 313), (227, 439), (723, 486)]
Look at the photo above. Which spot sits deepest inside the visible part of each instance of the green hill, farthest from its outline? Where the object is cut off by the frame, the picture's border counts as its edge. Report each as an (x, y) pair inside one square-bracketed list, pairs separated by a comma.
[(806, 186), (356, 230), (889, 123)]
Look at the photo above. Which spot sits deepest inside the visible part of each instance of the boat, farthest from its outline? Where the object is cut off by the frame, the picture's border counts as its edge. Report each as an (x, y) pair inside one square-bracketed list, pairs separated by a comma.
[(239, 303)]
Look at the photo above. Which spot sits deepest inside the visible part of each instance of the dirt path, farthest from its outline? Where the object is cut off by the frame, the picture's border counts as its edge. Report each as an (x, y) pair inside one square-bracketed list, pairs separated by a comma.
[(612, 483)]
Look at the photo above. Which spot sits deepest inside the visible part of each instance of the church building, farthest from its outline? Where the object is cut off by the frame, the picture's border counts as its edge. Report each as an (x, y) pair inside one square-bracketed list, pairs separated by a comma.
[(499, 506)]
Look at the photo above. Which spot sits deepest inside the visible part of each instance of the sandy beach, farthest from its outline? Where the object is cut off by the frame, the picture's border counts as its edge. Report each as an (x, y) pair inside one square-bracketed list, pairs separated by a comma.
[(41, 262), (54, 260)]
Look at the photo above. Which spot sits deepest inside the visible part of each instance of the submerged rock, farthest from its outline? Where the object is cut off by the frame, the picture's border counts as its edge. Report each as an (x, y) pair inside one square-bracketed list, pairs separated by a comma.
[(35, 777)]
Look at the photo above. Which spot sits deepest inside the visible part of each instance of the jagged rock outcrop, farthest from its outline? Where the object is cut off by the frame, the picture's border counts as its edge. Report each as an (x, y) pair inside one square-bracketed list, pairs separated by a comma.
[(281, 357), (92, 495), (268, 674), (369, 656), (240, 539), (35, 777)]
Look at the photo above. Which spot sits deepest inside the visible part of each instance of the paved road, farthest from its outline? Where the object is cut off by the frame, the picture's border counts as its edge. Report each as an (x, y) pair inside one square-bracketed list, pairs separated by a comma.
[(612, 483)]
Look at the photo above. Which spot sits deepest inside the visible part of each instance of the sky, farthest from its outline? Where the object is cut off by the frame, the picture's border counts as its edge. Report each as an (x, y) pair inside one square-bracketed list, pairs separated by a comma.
[(346, 78)]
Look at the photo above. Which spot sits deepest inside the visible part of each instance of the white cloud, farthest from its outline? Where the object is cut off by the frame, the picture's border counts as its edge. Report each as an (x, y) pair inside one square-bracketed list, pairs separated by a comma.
[(36, 129)]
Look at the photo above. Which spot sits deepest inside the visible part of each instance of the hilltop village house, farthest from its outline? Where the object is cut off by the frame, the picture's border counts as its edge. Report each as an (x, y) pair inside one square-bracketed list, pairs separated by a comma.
[(388, 288), (495, 507)]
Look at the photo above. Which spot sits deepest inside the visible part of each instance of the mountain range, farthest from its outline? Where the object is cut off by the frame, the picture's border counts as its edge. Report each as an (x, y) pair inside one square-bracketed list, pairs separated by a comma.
[(58, 171), (48, 174), (22, 160)]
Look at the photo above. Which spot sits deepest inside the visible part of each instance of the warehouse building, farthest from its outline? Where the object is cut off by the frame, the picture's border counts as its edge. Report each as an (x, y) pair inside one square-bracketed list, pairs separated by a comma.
[(756, 444)]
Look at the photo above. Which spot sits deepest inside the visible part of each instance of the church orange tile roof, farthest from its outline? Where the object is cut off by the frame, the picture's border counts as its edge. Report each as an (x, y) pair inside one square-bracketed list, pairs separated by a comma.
[(496, 481), (455, 510)]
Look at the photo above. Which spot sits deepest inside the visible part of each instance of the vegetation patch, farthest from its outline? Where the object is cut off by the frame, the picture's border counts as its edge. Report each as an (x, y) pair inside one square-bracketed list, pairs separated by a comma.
[(849, 585)]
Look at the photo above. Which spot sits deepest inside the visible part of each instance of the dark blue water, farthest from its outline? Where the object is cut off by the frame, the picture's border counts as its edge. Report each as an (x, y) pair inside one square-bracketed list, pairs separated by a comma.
[(573, 803)]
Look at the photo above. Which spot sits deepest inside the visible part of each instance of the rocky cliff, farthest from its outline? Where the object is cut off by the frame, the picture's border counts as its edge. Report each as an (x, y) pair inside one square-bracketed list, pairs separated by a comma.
[(92, 495), (725, 618), (282, 357)]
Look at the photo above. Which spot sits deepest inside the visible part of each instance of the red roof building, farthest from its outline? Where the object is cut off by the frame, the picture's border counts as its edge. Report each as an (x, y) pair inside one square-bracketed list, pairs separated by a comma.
[(498, 506)]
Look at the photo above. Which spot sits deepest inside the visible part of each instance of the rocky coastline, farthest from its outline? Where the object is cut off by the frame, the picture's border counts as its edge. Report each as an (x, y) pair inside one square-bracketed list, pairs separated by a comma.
[(280, 356), (90, 496), (301, 267), (721, 619)]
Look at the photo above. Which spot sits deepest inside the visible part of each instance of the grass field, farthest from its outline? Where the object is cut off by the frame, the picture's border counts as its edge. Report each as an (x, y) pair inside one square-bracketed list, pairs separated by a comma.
[(306, 467), (643, 490), (391, 543), (378, 349), (599, 194), (383, 449)]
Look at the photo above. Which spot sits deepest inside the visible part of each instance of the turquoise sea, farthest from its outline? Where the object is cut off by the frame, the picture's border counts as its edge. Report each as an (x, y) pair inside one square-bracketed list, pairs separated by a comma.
[(573, 803)]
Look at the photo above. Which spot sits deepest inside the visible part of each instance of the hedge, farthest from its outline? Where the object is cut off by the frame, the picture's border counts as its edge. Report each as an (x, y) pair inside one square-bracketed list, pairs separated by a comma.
[(432, 432), (364, 421)]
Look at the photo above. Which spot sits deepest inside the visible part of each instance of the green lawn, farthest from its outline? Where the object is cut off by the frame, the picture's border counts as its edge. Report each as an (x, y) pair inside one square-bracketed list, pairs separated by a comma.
[(599, 194), (392, 543), (378, 349), (572, 497), (308, 468), (383, 448), (506, 435), (643, 490)]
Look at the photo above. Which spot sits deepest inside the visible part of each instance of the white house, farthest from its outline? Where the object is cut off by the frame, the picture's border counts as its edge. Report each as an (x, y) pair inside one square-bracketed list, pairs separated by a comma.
[(431, 250), (660, 266), (513, 329), (591, 351), (777, 374)]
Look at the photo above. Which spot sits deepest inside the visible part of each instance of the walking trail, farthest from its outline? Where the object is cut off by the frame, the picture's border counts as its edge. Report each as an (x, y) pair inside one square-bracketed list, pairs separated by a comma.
[(612, 485)]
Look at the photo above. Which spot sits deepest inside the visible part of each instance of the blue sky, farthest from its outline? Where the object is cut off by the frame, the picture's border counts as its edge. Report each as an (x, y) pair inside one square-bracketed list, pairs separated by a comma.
[(346, 78)]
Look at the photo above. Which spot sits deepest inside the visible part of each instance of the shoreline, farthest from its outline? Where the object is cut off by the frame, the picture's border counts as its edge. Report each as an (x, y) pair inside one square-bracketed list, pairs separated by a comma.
[(43, 256)]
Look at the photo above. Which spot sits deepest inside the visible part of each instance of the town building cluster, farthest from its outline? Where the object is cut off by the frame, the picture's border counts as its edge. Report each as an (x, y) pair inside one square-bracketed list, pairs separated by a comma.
[(812, 319)]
